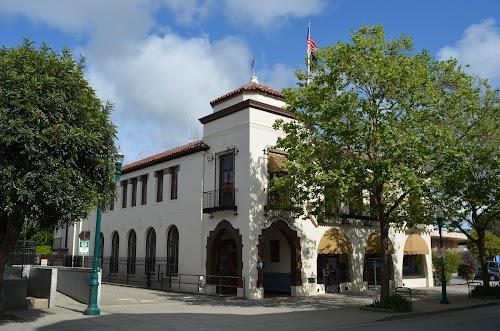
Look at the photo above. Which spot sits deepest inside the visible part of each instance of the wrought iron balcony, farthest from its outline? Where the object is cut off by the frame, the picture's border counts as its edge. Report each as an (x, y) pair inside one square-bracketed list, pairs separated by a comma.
[(219, 200)]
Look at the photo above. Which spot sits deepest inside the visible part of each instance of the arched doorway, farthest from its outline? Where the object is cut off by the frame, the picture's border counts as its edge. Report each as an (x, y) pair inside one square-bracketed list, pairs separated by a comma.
[(334, 250), (224, 263), (372, 267), (279, 250), (414, 269)]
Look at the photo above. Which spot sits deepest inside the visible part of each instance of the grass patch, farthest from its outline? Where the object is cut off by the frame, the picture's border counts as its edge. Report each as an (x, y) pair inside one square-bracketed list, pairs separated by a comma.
[(486, 291), (394, 302)]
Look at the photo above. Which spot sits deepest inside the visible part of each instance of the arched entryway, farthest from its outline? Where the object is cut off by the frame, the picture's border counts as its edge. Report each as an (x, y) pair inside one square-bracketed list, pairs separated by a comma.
[(334, 250), (224, 263), (414, 269), (372, 266), (279, 250)]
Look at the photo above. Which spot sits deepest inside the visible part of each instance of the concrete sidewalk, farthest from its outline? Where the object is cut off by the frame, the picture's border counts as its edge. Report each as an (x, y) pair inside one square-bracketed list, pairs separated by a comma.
[(125, 308)]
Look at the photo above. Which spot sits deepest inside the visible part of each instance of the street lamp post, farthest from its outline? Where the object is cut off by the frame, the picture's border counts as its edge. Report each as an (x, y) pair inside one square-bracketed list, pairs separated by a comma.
[(444, 296), (92, 308)]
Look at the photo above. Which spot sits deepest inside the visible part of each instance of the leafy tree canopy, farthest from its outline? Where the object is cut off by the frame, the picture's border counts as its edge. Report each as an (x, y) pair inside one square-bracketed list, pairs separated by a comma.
[(57, 142), (491, 243), (369, 124)]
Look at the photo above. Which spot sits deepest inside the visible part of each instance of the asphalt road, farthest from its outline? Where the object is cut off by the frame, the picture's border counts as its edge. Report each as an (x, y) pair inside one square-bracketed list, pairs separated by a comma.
[(486, 318)]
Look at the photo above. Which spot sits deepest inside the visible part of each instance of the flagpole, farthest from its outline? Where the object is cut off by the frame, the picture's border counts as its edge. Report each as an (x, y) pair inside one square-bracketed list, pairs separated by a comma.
[(308, 51)]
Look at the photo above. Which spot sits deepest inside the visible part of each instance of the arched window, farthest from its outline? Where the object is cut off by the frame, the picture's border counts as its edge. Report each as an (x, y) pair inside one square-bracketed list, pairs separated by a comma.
[(132, 241), (150, 251), (173, 250), (101, 249), (115, 247)]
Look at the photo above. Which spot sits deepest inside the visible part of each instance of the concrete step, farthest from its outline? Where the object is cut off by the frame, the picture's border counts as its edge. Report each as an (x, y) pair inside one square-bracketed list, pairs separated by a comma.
[(37, 303)]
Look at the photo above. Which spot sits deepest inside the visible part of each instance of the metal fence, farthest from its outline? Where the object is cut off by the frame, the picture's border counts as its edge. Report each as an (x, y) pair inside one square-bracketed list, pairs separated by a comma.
[(159, 277), (24, 253)]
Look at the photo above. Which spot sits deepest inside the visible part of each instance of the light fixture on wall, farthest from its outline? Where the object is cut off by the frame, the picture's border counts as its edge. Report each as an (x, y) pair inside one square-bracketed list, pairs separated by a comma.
[(210, 157)]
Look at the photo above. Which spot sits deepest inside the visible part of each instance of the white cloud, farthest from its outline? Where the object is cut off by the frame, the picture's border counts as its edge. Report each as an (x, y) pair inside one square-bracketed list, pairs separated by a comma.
[(479, 48), (190, 11), (108, 23), (278, 77), (267, 13), (162, 85)]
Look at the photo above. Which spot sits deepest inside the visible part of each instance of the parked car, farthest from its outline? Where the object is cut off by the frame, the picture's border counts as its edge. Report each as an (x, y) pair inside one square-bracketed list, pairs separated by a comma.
[(493, 271)]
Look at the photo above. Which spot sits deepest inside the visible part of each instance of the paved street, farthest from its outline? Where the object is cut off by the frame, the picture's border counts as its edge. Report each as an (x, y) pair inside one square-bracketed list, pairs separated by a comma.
[(475, 319), (125, 308)]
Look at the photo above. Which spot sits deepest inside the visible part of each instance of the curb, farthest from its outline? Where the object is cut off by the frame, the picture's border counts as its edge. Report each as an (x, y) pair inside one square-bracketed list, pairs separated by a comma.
[(436, 312)]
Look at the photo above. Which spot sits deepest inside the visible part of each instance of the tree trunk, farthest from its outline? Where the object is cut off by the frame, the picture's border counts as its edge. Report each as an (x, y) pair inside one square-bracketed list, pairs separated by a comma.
[(386, 255), (9, 232), (482, 258)]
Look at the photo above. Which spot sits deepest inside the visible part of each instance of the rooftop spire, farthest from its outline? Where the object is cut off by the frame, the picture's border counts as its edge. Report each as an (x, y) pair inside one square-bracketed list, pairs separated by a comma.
[(252, 68)]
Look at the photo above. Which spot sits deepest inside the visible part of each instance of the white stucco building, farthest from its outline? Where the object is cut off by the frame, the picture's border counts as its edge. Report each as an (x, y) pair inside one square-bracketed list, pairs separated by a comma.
[(188, 215)]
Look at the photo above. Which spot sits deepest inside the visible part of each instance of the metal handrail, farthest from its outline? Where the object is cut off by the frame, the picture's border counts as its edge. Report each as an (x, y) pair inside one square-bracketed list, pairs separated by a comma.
[(407, 291), (471, 286), (201, 281)]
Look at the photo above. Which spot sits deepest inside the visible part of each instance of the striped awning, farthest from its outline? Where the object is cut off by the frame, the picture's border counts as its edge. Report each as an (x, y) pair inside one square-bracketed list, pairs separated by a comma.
[(276, 162), (415, 245), (374, 245), (334, 242)]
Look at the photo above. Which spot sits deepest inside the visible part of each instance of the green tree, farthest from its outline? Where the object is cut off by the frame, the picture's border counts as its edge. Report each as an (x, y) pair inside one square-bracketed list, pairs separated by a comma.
[(467, 181), (452, 260), (56, 146), (368, 121), (491, 244)]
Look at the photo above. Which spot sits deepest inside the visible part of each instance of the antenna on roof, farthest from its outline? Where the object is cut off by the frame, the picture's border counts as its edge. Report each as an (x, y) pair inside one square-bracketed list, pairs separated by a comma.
[(252, 68), (192, 130)]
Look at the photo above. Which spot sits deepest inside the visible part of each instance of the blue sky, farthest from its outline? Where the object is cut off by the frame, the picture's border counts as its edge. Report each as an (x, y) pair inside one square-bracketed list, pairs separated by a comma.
[(161, 61)]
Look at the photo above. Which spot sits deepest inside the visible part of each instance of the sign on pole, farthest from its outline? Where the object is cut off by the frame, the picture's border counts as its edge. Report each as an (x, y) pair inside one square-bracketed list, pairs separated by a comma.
[(84, 247)]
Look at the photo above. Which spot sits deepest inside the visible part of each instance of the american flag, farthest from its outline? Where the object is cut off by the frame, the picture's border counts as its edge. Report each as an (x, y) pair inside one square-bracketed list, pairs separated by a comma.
[(310, 43)]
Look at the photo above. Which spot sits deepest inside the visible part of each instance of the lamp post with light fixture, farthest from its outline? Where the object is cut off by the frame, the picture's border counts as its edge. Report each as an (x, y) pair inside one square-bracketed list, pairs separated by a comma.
[(92, 308)]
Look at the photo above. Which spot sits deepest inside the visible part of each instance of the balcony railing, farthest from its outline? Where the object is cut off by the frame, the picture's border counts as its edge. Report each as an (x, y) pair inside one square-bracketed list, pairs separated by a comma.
[(219, 200)]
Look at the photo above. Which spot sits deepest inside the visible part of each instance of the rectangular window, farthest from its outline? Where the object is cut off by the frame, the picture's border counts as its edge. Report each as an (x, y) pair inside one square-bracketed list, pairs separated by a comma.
[(174, 173), (275, 250), (124, 184), (144, 189), (134, 192), (159, 185), (226, 180), (413, 265), (112, 204)]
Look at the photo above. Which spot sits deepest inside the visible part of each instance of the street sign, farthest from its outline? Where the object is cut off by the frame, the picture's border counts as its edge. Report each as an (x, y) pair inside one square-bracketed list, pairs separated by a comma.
[(84, 247)]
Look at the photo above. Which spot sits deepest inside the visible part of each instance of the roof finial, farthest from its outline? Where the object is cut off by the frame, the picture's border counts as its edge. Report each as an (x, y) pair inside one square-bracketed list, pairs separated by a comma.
[(252, 68)]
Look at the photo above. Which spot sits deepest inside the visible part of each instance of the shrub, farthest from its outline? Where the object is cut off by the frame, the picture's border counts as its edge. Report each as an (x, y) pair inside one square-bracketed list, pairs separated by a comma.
[(43, 249), (394, 302), (451, 262), (486, 291), (467, 269)]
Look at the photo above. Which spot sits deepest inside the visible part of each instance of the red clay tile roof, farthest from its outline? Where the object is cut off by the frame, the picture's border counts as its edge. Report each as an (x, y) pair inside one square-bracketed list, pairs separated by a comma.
[(250, 87), (171, 154)]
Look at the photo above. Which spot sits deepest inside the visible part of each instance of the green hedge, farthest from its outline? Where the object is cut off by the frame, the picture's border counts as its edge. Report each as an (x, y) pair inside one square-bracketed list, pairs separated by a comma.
[(394, 302), (486, 291), (43, 249)]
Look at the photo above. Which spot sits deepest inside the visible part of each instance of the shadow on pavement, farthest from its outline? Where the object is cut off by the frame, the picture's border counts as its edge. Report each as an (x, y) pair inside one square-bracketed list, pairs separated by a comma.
[(22, 316), (314, 302), (196, 321)]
